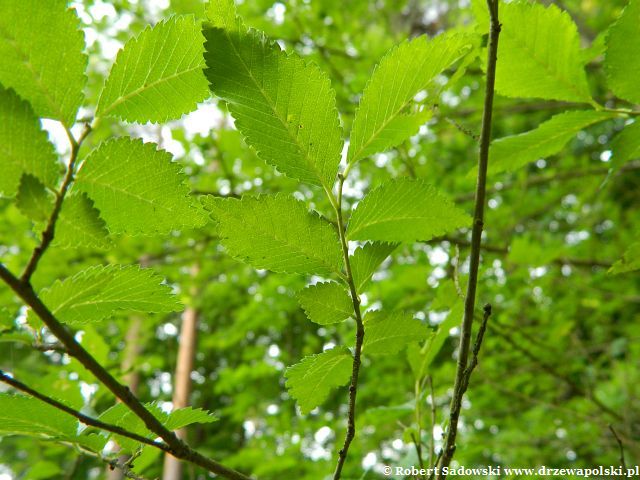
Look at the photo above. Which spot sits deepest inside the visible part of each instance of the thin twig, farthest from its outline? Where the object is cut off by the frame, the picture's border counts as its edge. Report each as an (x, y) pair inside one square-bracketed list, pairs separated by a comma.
[(432, 443), (49, 231), (177, 447), (418, 446), (126, 471), (577, 262), (620, 446), (113, 464), (464, 130), (461, 382), (92, 422), (353, 386), (476, 346), (536, 180), (551, 370)]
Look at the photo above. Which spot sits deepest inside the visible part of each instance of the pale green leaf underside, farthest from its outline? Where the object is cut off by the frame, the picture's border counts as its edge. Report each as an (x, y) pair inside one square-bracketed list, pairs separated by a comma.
[(283, 106), (626, 145), (99, 292), (629, 262), (33, 199), (326, 303), (539, 52), (137, 189), (366, 260), (621, 60), (24, 146), (421, 357), (276, 233), (21, 415), (388, 332), (311, 380), (382, 120), (222, 14), (157, 76), (79, 224), (405, 210), (183, 417), (513, 152), (41, 56)]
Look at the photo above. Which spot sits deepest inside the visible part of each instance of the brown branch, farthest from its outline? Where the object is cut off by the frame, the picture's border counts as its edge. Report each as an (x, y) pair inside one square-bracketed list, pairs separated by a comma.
[(353, 386), (49, 347), (177, 447), (49, 231), (461, 379), (92, 422)]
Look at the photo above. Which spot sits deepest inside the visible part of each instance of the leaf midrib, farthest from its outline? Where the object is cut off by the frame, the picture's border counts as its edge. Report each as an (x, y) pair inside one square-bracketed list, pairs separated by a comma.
[(271, 105), (143, 88)]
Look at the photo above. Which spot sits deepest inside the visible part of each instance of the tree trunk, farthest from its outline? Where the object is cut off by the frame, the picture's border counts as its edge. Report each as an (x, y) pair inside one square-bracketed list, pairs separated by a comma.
[(182, 383), (131, 378)]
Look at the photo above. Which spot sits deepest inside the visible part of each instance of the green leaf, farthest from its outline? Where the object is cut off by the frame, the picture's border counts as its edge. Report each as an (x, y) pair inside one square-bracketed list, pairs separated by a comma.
[(41, 56), (222, 14), (136, 188), (157, 76), (366, 260), (515, 151), (34, 200), (24, 146), (311, 380), (326, 303), (405, 210), (6, 319), (79, 224), (481, 15), (44, 469), (420, 358), (388, 332), (183, 417), (626, 145), (99, 292), (539, 52), (385, 117), (276, 233), (596, 49), (621, 62), (21, 415), (629, 262), (284, 107)]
